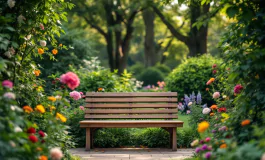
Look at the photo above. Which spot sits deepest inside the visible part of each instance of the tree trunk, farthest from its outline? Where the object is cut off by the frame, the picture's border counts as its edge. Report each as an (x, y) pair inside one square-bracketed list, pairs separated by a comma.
[(149, 44), (110, 50)]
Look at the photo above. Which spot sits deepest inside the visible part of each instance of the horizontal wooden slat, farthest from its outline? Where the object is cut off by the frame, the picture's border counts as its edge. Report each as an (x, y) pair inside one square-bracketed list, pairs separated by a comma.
[(132, 105), (131, 100), (130, 116), (132, 94), (131, 111)]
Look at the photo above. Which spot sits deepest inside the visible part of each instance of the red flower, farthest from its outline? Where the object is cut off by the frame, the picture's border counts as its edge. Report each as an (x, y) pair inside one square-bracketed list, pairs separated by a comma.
[(33, 138), (222, 109), (31, 130), (214, 71), (214, 66), (41, 133), (43, 141), (238, 88)]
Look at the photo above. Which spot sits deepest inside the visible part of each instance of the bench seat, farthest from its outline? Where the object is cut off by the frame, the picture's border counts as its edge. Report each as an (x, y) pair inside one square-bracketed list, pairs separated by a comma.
[(130, 123)]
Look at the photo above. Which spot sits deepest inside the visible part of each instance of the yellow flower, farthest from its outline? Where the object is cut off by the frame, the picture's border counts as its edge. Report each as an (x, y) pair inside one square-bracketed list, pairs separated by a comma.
[(211, 114), (40, 108), (52, 108), (61, 117), (223, 145), (39, 89), (225, 117), (35, 125), (54, 51), (39, 149), (27, 109), (40, 50), (51, 98), (203, 126), (37, 72), (61, 45), (245, 122)]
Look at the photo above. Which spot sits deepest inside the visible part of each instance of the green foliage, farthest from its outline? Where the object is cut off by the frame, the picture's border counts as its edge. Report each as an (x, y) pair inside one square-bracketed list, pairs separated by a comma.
[(137, 69), (192, 75), (186, 136), (163, 68), (151, 76)]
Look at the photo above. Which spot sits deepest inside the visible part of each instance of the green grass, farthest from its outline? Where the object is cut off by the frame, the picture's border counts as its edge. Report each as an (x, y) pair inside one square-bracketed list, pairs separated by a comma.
[(185, 119)]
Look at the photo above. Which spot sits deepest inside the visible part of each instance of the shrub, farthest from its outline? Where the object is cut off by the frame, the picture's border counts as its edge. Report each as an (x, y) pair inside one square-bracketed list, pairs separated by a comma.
[(185, 137), (192, 75), (163, 68), (151, 76), (137, 69)]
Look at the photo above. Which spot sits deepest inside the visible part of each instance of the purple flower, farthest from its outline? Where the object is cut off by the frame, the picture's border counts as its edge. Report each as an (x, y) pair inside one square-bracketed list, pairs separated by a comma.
[(186, 99), (198, 149), (201, 141), (204, 147), (208, 155), (223, 128), (192, 97), (213, 131), (199, 98)]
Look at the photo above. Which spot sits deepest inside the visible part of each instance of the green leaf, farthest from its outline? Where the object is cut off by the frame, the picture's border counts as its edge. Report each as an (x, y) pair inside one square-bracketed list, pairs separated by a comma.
[(232, 11)]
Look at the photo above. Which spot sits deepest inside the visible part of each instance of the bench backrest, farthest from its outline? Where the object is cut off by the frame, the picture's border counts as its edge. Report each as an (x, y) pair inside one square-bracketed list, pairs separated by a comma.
[(137, 105)]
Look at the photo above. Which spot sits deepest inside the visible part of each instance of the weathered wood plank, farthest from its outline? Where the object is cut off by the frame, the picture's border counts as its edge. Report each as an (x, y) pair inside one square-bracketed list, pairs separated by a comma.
[(142, 116), (132, 105), (132, 94), (131, 111), (127, 100)]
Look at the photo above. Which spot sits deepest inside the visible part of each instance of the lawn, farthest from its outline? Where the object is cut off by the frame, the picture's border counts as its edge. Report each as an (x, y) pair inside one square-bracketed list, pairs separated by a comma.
[(185, 119)]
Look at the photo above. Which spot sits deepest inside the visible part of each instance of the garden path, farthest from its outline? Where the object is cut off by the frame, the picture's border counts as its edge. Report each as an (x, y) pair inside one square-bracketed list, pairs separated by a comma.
[(132, 154)]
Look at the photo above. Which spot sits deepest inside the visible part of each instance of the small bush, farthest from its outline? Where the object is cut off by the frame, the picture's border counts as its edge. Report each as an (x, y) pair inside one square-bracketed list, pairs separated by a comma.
[(192, 75), (151, 76), (163, 68), (137, 69)]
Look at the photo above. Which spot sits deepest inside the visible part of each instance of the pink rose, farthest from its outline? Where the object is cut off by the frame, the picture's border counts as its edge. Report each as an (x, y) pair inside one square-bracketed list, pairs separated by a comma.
[(56, 154), (216, 95), (41, 26), (238, 88), (75, 95), (82, 107), (214, 71), (70, 79), (7, 84), (207, 139)]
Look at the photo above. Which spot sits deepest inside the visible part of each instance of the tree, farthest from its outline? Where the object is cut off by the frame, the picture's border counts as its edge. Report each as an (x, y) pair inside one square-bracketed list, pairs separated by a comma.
[(196, 37), (114, 21)]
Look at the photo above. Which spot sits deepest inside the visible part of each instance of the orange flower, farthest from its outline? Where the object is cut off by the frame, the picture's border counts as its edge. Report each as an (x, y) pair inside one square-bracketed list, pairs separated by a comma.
[(43, 158), (245, 122), (203, 126), (40, 108), (40, 50), (60, 44), (37, 72), (213, 107), (100, 89), (210, 81), (207, 89), (211, 114), (39, 149), (54, 51), (223, 145), (27, 109), (51, 98)]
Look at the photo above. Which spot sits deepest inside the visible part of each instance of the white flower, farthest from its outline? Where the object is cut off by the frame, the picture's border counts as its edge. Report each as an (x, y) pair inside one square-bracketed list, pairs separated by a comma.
[(59, 22), (28, 37), (224, 96), (8, 54), (11, 50), (43, 43), (21, 19), (206, 110), (17, 129), (9, 95), (58, 97), (12, 108), (11, 3), (190, 103)]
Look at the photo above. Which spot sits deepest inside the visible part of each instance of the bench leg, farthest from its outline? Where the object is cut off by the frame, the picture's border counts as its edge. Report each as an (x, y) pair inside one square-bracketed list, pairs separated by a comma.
[(88, 143), (174, 139)]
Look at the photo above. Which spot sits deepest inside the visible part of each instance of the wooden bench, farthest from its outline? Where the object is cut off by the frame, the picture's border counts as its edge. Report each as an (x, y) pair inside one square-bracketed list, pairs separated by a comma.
[(131, 110)]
